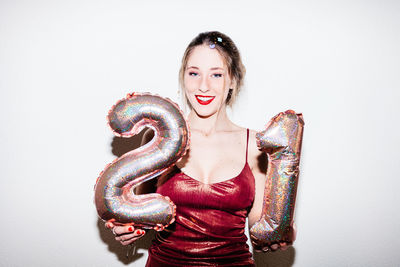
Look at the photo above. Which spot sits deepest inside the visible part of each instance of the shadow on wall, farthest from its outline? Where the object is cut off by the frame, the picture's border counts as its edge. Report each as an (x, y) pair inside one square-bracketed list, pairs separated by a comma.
[(275, 259), (125, 254), (122, 145)]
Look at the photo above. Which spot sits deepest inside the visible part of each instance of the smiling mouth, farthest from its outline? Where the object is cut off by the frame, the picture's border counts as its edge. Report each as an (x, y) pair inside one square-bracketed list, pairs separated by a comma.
[(204, 100)]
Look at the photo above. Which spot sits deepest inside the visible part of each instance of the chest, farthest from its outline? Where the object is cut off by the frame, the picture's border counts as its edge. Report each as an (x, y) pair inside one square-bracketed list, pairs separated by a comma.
[(213, 160), (233, 194)]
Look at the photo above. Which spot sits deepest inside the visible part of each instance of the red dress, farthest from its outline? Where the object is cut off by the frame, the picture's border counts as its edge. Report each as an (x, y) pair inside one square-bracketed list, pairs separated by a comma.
[(210, 222)]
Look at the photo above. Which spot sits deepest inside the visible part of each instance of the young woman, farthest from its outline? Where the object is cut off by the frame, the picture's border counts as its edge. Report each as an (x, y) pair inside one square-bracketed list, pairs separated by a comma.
[(219, 182)]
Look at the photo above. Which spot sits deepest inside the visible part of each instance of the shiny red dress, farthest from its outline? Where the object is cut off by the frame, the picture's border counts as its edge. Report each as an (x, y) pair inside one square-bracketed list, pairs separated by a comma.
[(210, 222)]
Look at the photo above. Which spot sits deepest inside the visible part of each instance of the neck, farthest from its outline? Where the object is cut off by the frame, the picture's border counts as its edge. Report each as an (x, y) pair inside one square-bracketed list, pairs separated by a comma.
[(211, 124)]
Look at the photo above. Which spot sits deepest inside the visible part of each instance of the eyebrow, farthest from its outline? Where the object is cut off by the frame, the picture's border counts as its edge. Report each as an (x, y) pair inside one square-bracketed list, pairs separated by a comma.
[(215, 68)]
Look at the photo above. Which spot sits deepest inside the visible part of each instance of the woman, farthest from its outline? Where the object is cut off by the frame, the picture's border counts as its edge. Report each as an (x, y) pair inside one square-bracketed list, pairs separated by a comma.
[(219, 182)]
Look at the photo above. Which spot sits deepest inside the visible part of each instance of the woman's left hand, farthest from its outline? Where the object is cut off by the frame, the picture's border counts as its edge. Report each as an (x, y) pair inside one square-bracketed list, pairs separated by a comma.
[(283, 245)]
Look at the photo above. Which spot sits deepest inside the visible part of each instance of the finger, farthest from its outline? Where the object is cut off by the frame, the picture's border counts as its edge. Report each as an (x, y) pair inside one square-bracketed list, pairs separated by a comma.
[(284, 246), (159, 227), (130, 238), (121, 230), (125, 237), (110, 223), (274, 247), (130, 241), (125, 243)]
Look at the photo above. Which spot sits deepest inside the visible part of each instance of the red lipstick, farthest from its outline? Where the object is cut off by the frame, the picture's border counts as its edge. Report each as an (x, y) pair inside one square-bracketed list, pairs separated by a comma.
[(204, 100)]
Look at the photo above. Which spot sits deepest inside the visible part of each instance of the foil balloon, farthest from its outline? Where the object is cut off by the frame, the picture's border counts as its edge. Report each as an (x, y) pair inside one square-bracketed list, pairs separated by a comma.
[(281, 140), (114, 189)]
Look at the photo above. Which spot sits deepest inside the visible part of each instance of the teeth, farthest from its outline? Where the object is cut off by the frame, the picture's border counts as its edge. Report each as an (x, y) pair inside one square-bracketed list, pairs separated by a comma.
[(204, 98)]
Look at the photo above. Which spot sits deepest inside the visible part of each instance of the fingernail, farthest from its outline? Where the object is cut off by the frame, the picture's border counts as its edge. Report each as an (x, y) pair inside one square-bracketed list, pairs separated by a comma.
[(138, 232), (108, 225), (130, 229)]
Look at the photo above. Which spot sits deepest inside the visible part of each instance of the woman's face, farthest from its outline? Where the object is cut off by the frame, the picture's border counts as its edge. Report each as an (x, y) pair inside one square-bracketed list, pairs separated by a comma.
[(206, 81)]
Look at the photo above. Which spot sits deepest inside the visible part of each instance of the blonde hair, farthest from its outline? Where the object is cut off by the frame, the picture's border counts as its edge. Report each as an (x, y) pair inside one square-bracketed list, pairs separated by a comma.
[(228, 50)]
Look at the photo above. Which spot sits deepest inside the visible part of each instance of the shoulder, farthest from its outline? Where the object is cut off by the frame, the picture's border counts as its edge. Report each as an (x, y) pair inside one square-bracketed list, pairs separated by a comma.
[(252, 138), (234, 133), (253, 152)]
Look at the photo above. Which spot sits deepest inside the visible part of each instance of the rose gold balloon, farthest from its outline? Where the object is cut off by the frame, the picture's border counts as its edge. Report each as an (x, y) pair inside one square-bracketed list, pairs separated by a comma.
[(281, 140), (114, 197)]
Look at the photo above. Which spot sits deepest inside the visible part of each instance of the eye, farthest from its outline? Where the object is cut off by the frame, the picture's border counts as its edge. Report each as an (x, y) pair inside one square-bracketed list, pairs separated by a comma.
[(192, 73), (217, 75)]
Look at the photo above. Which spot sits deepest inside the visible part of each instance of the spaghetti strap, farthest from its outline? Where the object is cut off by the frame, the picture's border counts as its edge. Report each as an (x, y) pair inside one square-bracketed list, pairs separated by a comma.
[(247, 143)]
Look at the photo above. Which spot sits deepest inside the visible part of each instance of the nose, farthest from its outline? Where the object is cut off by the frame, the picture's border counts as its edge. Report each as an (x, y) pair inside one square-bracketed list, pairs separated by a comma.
[(204, 85)]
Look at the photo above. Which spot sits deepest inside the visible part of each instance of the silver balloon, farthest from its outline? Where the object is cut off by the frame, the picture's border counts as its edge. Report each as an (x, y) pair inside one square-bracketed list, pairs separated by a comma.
[(281, 140), (114, 196)]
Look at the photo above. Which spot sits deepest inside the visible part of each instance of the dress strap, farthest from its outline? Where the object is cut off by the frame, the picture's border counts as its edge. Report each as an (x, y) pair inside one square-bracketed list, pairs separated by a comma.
[(247, 143)]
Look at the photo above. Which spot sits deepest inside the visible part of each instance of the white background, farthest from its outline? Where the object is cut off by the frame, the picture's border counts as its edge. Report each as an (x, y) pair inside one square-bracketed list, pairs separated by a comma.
[(63, 64)]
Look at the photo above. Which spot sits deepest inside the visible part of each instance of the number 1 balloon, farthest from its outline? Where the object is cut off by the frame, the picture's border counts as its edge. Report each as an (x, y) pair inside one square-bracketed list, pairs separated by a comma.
[(114, 196), (281, 140)]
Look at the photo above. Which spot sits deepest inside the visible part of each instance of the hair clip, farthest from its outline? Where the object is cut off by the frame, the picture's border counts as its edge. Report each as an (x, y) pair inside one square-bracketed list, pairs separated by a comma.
[(214, 39)]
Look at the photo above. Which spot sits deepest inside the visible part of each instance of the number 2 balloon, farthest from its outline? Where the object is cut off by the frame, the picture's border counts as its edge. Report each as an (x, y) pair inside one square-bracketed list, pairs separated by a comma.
[(114, 195)]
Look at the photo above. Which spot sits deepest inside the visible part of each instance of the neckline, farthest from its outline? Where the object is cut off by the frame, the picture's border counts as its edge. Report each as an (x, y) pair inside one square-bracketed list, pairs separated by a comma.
[(216, 183)]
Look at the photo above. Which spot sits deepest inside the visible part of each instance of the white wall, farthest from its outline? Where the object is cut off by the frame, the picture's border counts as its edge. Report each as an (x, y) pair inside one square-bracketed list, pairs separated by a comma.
[(63, 64)]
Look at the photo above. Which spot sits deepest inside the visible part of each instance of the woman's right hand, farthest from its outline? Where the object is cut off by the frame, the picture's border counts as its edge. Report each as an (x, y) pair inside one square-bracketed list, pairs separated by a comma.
[(125, 234)]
